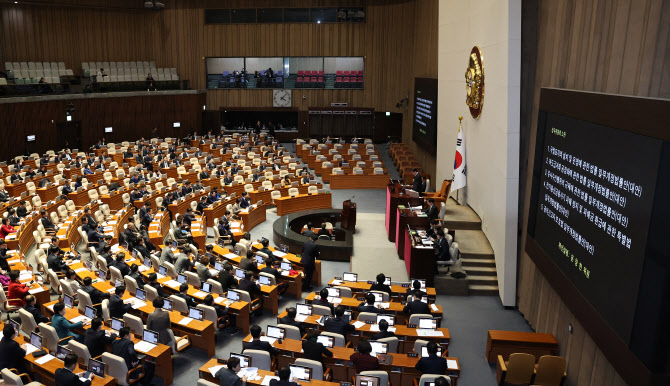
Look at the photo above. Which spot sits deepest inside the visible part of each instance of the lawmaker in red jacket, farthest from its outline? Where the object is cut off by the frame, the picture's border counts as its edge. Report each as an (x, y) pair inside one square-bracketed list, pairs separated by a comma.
[(6, 229), (17, 291)]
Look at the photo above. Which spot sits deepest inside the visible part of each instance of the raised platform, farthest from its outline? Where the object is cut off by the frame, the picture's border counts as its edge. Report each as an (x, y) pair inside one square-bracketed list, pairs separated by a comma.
[(286, 230)]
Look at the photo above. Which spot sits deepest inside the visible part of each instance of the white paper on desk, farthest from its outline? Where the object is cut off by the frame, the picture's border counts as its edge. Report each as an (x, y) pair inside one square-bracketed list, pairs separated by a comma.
[(267, 379), (219, 300), (80, 318), (80, 269), (249, 372), (268, 339), (337, 282), (374, 328), (200, 294), (144, 346), (142, 268), (213, 272), (425, 332), (44, 359), (334, 300), (172, 283), (285, 273), (434, 307), (384, 305), (451, 364), (11, 251), (113, 289), (51, 307), (108, 229), (301, 317), (230, 256), (159, 276), (25, 276), (82, 379), (215, 369), (36, 290), (138, 304), (185, 321), (15, 261), (235, 224), (359, 324), (31, 349), (279, 253), (11, 236)]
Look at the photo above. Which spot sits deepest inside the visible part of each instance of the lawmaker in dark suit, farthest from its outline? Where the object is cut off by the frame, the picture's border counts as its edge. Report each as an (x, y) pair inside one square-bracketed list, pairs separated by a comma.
[(310, 251), (11, 352), (337, 324), (125, 348), (153, 282), (226, 279), (95, 294), (95, 338), (159, 321), (65, 376), (120, 264), (257, 344), (35, 311), (432, 212), (284, 374), (432, 364), (369, 305), (117, 308), (416, 306), (289, 319), (183, 293), (442, 247), (383, 331), (380, 286), (254, 290), (417, 186), (315, 350), (323, 300)]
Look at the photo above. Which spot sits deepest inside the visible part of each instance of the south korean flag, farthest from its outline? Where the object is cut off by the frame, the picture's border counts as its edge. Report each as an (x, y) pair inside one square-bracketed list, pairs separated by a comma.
[(460, 170)]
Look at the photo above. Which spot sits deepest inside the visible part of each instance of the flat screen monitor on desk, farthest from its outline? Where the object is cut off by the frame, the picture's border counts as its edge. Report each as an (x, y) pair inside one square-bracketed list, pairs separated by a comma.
[(390, 319), (303, 309), (379, 348), (428, 323), (276, 332), (424, 351), (286, 266), (301, 373), (150, 336), (206, 287), (140, 294), (90, 312), (68, 301), (264, 280), (117, 324), (333, 292), (196, 314), (167, 305), (96, 367), (364, 380), (62, 352), (350, 276), (36, 340), (245, 361), (326, 341), (233, 295)]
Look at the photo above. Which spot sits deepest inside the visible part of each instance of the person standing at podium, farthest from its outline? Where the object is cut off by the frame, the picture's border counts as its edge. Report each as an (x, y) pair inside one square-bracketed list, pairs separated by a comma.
[(417, 185), (310, 251)]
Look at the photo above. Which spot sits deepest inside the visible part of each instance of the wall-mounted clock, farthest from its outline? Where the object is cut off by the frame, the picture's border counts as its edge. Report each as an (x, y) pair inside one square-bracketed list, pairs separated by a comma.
[(281, 98), (474, 82)]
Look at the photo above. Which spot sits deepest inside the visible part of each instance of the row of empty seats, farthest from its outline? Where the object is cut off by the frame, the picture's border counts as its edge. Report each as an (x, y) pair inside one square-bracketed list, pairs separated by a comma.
[(32, 72), (136, 78)]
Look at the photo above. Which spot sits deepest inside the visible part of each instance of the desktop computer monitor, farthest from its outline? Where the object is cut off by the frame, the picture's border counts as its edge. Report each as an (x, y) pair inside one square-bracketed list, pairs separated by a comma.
[(378, 297), (167, 305), (239, 273), (68, 301), (387, 281), (351, 277), (364, 380), (162, 270), (90, 312), (390, 319), (150, 336), (102, 275), (36, 340), (424, 351), (140, 294), (286, 266), (264, 280), (303, 309), (300, 372), (276, 332), (181, 278), (259, 259), (326, 341), (422, 281), (233, 295), (245, 360), (206, 287), (333, 292), (379, 348), (196, 313), (96, 367), (218, 266), (428, 323), (62, 352), (117, 324)]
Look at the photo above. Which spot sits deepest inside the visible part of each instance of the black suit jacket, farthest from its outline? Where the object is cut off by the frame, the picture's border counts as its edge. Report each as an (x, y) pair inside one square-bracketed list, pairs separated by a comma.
[(314, 350), (339, 326), (189, 300), (416, 307), (432, 212), (260, 345), (227, 280), (96, 341), (443, 250), (417, 185), (37, 314), (363, 307), (382, 335), (125, 348), (11, 354), (251, 287), (65, 377), (310, 251), (325, 303), (117, 308), (292, 322), (121, 266), (432, 365), (95, 294), (381, 287)]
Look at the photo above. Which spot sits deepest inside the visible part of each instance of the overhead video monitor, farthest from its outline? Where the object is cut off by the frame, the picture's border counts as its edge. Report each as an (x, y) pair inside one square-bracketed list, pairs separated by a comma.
[(108, 129), (30, 138), (176, 124)]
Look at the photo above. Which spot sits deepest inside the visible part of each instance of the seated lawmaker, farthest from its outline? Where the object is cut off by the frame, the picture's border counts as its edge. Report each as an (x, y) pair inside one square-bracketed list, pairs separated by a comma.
[(66, 376), (362, 358), (380, 286), (257, 344), (369, 305), (337, 324), (383, 331), (416, 306), (323, 300), (289, 319), (432, 364)]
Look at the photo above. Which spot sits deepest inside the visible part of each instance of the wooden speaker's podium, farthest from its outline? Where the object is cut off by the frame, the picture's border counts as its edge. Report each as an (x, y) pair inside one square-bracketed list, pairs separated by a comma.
[(349, 215)]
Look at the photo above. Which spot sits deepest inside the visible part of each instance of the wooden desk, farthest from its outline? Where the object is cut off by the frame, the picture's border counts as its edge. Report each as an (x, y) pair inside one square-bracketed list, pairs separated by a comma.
[(254, 217), (295, 283), (266, 195), (15, 190), (359, 181), (406, 217), (216, 211), (204, 373), (395, 308), (40, 292), (393, 199), (419, 259), (114, 200), (396, 290), (286, 205), (509, 342), (47, 194)]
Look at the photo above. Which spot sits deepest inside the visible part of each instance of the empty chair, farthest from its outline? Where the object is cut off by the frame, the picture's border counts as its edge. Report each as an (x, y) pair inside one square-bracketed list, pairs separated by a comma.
[(419, 344), (81, 350), (345, 292), (28, 323), (366, 316), (210, 315), (338, 339), (50, 338), (261, 359), (321, 310), (550, 371), (518, 369), (292, 192), (317, 369), (15, 379), (116, 367), (134, 323), (392, 343)]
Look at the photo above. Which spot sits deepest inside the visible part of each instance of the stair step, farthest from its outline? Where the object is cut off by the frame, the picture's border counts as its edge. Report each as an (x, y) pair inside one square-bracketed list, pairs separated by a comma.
[(479, 262), (482, 280), (482, 270), (481, 289)]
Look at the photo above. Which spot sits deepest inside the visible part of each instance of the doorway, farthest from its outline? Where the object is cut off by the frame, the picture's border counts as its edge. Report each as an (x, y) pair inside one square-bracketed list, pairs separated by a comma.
[(69, 135)]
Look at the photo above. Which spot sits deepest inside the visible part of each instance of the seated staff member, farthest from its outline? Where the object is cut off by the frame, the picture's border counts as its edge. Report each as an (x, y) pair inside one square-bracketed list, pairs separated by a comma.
[(323, 231), (323, 300), (362, 358), (135, 274), (221, 311), (380, 286), (120, 264), (95, 294), (65, 376), (125, 348), (63, 326), (153, 282), (272, 270), (432, 364), (315, 350), (257, 344)]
